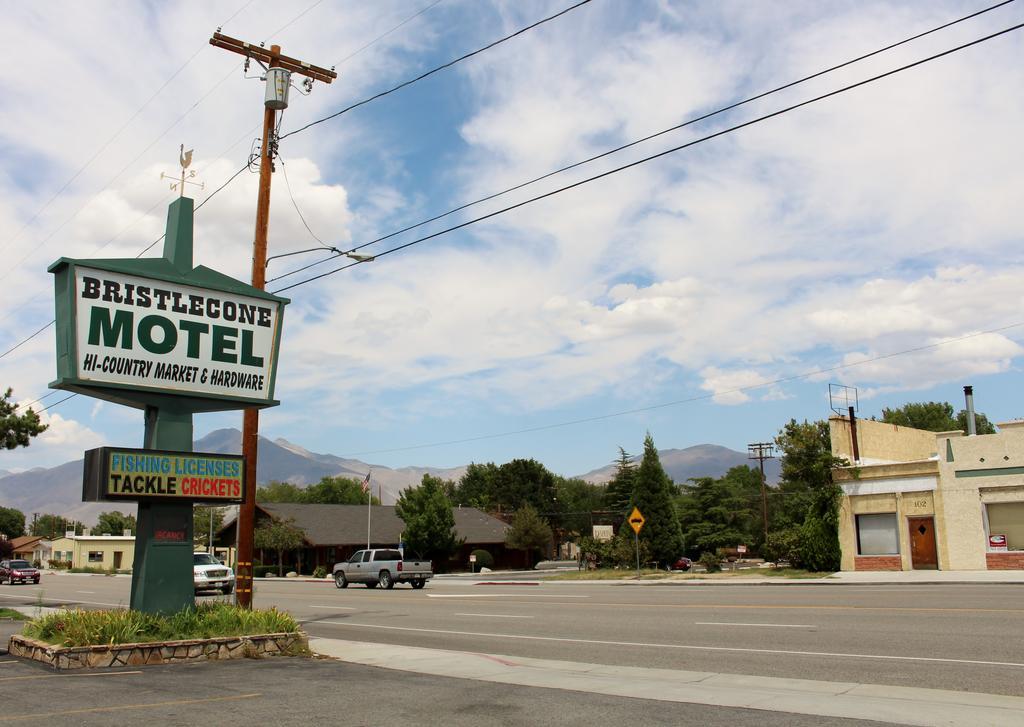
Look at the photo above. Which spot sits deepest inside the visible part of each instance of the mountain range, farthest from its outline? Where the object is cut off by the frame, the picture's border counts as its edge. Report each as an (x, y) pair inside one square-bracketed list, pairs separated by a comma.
[(58, 489)]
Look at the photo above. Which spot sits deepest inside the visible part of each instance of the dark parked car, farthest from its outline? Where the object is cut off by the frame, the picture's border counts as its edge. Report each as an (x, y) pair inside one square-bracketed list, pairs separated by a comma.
[(681, 564), (18, 570)]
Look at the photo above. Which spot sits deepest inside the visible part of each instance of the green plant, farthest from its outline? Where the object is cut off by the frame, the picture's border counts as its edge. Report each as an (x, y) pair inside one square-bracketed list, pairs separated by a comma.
[(12, 614), (483, 559), (712, 562), (319, 572), (86, 628), (93, 569), (783, 546), (58, 564)]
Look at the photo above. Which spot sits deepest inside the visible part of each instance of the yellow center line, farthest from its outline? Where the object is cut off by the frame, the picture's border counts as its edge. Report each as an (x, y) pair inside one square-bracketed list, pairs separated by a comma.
[(147, 705), (69, 676)]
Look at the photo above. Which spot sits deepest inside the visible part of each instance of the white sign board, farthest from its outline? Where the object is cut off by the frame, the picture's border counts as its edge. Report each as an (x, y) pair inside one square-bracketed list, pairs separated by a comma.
[(603, 532), (142, 332)]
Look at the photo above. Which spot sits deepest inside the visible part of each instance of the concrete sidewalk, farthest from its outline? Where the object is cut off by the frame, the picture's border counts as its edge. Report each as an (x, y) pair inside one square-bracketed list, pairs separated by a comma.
[(897, 705)]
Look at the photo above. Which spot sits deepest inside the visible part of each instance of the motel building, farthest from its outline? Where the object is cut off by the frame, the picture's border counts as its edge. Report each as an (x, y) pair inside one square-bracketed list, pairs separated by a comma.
[(109, 552), (918, 500)]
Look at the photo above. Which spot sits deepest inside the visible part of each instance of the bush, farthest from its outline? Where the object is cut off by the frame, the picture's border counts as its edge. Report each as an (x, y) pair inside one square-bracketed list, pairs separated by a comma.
[(319, 572), (783, 545), (261, 571), (58, 564), (819, 546), (484, 559), (86, 628), (712, 562)]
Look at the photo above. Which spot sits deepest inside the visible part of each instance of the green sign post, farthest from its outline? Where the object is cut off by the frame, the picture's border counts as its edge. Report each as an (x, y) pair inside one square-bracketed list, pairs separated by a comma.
[(174, 340)]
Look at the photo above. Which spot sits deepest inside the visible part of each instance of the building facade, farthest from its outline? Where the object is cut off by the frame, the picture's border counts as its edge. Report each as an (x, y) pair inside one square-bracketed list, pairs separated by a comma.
[(33, 548), (930, 500), (109, 552)]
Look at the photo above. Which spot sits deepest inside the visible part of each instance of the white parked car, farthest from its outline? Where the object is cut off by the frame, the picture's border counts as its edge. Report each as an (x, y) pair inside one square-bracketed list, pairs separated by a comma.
[(209, 574)]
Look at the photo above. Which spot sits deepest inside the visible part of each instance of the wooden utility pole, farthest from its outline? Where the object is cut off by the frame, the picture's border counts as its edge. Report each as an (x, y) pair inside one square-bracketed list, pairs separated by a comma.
[(276, 98), (762, 451)]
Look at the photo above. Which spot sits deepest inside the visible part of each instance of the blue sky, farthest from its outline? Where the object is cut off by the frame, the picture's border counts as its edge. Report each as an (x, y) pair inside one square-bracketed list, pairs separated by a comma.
[(876, 222)]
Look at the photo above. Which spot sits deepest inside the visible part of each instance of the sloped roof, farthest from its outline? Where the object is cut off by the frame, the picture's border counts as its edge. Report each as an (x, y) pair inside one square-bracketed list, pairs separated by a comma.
[(26, 541), (346, 524)]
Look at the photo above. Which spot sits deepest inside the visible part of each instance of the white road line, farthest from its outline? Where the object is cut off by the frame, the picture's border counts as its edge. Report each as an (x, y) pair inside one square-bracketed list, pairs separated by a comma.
[(776, 626), (89, 592), (344, 608), (496, 595), (72, 600), (491, 615), (691, 647)]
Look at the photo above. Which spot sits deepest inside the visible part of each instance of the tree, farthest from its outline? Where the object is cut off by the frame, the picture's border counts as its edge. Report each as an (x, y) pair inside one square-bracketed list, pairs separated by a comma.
[(279, 536), (201, 524), (54, 526), (810, 506), (114, 523), (328, 491), (16, 430), (935, 416), (337, 491), (528, 531), (620, 489), (577, 499), (652, 495), (722, 513), (477, 487), (12, 522), (429, 520), (279, 492)]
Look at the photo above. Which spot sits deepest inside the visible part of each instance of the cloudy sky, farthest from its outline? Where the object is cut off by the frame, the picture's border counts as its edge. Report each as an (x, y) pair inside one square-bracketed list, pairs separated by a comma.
[(693, 291)]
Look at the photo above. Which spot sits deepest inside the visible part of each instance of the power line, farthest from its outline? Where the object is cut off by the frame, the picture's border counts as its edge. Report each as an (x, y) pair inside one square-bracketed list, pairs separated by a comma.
[(295, 204), (380, 37), (666, 152), (153, 143), (649, 137), (431, 72), (693, 399), (19, 345), (116, 134)]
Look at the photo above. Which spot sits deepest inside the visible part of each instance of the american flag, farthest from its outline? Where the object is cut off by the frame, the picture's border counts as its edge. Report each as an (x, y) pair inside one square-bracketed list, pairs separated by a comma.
[(366, 483)]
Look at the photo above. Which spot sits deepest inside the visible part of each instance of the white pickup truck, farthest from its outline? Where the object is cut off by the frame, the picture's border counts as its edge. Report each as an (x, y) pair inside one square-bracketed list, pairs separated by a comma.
[(381, 567)]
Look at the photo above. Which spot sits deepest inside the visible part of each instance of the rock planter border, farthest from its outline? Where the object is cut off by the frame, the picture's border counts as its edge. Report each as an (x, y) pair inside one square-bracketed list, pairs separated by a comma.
[(253, 646)]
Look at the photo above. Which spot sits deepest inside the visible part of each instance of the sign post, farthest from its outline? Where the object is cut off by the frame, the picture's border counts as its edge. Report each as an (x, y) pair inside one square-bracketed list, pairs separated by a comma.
[(636, 521), (174, 340)]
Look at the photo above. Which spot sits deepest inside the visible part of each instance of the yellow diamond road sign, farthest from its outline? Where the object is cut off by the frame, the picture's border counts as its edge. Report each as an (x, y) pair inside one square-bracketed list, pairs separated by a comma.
[(636, 520)]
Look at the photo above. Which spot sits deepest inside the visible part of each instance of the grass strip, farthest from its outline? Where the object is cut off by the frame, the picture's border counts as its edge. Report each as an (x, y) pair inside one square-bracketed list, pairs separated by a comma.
[(12, 614), (208, 620)]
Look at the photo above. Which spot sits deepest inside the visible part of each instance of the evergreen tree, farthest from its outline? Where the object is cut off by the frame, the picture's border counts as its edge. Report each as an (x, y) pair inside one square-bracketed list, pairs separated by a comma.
[(528, 531), (478, 487), (16, 430), (722, 513), (429, 520), (620, 489), (652, 495)]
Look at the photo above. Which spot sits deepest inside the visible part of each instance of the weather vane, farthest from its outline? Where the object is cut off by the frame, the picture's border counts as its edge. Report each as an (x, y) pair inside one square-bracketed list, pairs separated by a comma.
[(185, 159)]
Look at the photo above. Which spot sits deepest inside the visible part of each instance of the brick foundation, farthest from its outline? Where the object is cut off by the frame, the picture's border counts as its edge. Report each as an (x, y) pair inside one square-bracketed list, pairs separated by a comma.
[(1005, 561), (877, 562)]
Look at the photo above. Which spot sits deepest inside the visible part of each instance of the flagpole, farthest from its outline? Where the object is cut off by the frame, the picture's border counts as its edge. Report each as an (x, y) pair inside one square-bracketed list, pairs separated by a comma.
[(369, 499)]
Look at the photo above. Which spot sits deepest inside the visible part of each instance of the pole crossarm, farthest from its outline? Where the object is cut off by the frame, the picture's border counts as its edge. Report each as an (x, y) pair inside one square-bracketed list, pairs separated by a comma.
[(270, 58)]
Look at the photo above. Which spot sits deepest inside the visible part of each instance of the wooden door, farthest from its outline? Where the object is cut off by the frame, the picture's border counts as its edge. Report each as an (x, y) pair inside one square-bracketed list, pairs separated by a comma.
[(923, 553)]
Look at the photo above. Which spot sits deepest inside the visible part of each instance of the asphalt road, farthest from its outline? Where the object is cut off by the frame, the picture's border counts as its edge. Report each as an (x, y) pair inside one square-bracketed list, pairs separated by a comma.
[(286, 691), (958, 637)]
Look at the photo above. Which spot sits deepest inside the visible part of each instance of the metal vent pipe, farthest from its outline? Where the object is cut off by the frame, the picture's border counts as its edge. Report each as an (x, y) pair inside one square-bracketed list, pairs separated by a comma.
[(969, 398)]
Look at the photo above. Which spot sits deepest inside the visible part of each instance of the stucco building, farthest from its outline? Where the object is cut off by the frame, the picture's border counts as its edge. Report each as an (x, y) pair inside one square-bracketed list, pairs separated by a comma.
[(109, 552), (926, 500)]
